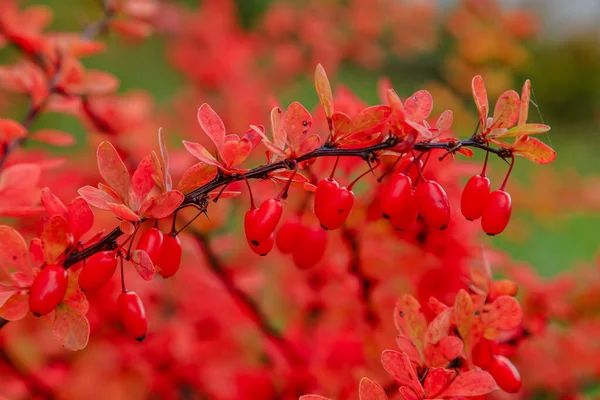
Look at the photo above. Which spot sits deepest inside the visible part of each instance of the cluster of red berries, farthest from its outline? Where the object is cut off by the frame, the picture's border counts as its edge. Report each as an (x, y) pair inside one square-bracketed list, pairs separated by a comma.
[(307, 252), (493, 208)]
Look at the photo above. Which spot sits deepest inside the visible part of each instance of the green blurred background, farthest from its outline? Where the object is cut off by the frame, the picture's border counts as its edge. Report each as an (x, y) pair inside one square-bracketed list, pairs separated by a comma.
[(564, 69)]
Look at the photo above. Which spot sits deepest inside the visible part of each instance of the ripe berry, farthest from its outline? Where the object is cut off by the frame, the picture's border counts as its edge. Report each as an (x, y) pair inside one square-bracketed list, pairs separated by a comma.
[(312, 248), (264, 247), (287, 236), (260, 223), (132, 315), (496, 213), (433, 204), (170, 255), (98, 270), (505, 374), (407, 212), (394, 194), (482, 354), (474, 197), (48, 289), (332, 203), (151, 242)]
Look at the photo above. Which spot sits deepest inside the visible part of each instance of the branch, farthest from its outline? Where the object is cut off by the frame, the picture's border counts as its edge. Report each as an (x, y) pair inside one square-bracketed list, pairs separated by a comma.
[(246, 302)]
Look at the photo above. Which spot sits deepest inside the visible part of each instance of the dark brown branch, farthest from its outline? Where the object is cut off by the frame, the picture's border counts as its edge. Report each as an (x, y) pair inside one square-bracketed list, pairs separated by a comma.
[(247, 303), (367, 283)]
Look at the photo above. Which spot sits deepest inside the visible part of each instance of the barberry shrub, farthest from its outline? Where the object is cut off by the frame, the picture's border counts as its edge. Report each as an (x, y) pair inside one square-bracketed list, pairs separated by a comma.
[(158, 209)]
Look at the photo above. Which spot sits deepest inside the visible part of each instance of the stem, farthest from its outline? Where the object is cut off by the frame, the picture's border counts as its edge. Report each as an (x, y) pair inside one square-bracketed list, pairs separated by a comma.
[(123, 288), (252, 203), (512, 164), (485, 163), (284, 193), (337, 160)]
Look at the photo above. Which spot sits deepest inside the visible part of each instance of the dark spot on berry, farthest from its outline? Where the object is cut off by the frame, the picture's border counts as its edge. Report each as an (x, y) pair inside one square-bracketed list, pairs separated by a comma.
[(324, 227), (263, 255), (401, 313), (341, 210), (37, 314), (470, 219), (385, 216), (141, 338), (491, 234), (14, 258), (254, 242), (444, 228), (400, 230)]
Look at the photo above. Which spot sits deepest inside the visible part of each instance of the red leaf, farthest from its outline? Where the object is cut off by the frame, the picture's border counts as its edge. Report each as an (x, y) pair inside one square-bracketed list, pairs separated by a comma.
[(323, 88), (162, 205), (524, 105), (436, 381), (470, 383), (16, 308), (408, 394), (75, 297), (278, 128), (464, 313), (99, 83), (450, 347), (506, 111), (371, 118), (504, 313), (80, 217), (310, 144), (52, 204), (96, 197), (439, 327), (418, 106), (6, 292), (409, 319), (124, 212), (71, 327), (297, 122), (212, 125), (198, 151), (526, 129), (143, 264), (53, 137), (398, 114), (113, 170), (407, 346), (444, 122), (11, 130), (56, 238), (534, 150), (369, 390), (141, 181), (235, 151), (481, 99), (400, 368), (196, 176), (342, 125), (165, 161)]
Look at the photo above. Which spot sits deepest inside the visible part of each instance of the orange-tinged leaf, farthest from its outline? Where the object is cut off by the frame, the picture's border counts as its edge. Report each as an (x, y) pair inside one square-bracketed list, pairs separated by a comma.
[(11, 130), (342, 125), (324, 92), (297, 123), (235, 151), (196, 176), (6, 292), (481, 99), (56, 238), (52, 204), (527, 129), (165, 160), (16, 307), (310, 144), (54, 137), (444, 122), (371, 118), (408, 394), (127, 227), (99, 83), (369, 390), (198, 151), (398, 113), (275, 151), (436, 380), (278, 128), (95, 197), (534, 150), (418, 106), (408, 347), (439, 327), (470, 383), (80, 217), (71, 328), (113, 169), (400, 368), (212, 125), (506, 111), (451, 347), (143, 264), (75, 297), (524, 105), (141, 180), (465, 151), (410, 320), (464, 313), (123, 212), (504, 313), (163, 205)]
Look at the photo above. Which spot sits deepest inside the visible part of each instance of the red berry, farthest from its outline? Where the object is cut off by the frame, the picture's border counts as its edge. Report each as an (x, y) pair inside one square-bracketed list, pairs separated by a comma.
[(98, 270), (433, 204), (496, 213), (332, 203), (474, 197), (482, 354), (394, 194), (261, 222), (407, 212), (287, 236), (264, 247), (170, 255), (48, 289), (505, 374), (312, 247), (413, 171), (132, 315), (151, 242)]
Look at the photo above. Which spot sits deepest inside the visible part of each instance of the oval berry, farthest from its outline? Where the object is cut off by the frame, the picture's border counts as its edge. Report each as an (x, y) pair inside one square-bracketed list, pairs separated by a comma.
[(312, 248), (433, 204), (286, 238), (407, 212), (132, 315), (505, 374), (332, 203), (98, 270), (474, 197), (48, 289), (496, 213), (170, 255), (264, 247), (397, 189), (482, 354), (261, 222), (151, 242)]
